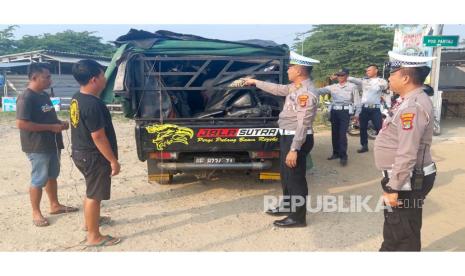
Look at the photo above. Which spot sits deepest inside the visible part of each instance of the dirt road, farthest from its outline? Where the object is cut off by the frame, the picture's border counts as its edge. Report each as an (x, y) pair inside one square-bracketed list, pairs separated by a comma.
[(225, 213)]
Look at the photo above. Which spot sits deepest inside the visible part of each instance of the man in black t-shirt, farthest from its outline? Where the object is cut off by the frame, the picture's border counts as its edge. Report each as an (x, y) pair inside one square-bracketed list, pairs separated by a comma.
[(95, 150), (41, 140)]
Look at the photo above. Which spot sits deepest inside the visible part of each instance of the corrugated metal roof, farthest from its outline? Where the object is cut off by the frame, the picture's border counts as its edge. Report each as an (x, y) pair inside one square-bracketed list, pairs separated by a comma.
[(13, 64), (76, 54), (56, 53), (73, 59)]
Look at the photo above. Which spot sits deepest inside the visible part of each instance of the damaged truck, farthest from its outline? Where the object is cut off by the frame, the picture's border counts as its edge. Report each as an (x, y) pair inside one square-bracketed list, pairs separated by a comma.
[(192, 112)]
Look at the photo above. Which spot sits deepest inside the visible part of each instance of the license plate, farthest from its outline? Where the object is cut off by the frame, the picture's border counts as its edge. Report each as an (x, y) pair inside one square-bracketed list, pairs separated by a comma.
[(214, 160)]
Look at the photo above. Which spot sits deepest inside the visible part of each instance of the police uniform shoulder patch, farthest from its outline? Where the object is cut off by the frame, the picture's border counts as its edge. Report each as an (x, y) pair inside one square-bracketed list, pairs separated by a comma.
[(407, 120), (303, 99)]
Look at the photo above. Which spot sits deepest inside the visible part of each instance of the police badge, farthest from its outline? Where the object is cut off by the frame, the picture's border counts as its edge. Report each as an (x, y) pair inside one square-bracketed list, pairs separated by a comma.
[(407, 120), (303, 100)]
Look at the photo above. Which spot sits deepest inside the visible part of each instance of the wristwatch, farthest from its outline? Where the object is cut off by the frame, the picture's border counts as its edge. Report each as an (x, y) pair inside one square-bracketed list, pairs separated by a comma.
[(293, 149)]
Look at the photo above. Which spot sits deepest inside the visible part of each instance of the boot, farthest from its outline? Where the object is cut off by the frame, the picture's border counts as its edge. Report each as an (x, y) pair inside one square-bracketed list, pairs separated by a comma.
[(343, 162), (296, 219), (363, 149), (332, 157)]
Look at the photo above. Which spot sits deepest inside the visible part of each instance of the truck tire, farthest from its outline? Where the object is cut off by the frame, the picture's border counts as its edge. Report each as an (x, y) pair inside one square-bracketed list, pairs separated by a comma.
[(371, 133)]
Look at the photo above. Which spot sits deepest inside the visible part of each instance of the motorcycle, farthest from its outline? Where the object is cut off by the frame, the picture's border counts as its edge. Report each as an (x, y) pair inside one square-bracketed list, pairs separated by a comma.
[(354, 128), (354, 125)]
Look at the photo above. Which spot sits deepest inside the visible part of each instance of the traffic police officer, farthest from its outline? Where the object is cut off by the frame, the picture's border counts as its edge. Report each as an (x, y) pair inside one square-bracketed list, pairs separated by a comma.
[(402, 152), (295, 123), (370, 104), (344, 98)]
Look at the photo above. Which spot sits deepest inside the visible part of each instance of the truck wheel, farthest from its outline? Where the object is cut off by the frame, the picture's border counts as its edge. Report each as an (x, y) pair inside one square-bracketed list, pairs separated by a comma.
[(372, 133), (353, 130)]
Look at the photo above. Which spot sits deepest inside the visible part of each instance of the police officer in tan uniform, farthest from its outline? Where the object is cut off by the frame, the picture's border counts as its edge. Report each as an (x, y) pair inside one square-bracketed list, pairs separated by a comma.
[(344, 99), (403, 153), (295, 123)]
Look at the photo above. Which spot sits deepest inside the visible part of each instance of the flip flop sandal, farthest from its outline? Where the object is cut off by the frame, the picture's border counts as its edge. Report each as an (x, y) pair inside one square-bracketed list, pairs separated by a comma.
[(64, 209), (41, 222), (107, 241)]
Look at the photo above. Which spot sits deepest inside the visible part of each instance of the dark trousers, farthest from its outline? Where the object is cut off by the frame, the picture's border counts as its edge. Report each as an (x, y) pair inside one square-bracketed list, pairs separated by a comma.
[(293, 180), (402, 226), (339, 125), (367, 114)]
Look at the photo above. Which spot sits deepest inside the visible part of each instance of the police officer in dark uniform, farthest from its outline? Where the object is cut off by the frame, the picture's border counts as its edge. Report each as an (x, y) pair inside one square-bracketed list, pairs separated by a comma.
[(403, 154), (295, 123)]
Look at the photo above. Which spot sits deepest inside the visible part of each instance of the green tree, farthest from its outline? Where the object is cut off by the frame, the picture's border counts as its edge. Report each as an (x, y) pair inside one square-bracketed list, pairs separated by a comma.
[(7, 43), (350, 46), (67, 41)]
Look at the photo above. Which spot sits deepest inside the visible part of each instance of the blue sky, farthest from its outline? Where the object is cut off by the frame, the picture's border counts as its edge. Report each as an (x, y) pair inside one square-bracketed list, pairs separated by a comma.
[(279, 33)]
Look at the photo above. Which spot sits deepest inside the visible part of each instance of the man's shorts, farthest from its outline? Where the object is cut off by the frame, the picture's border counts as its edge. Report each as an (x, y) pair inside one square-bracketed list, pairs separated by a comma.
[(45, 166), (97, 173)]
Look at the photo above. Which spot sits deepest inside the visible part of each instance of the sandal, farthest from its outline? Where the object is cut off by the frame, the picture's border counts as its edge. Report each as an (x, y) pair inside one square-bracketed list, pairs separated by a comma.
[(41, 222), (64, 209), (107, 241)]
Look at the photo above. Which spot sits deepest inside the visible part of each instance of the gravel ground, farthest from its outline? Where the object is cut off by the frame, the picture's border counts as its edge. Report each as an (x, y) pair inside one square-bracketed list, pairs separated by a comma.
[(225, 213)]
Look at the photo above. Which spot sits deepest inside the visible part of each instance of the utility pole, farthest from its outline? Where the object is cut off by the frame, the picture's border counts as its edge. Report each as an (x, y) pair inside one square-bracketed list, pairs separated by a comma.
[(435, 69), (302, 52), (301, 37)]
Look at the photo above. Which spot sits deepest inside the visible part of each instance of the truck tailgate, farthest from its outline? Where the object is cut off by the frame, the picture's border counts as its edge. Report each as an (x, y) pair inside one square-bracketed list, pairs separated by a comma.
[(225, 136)]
